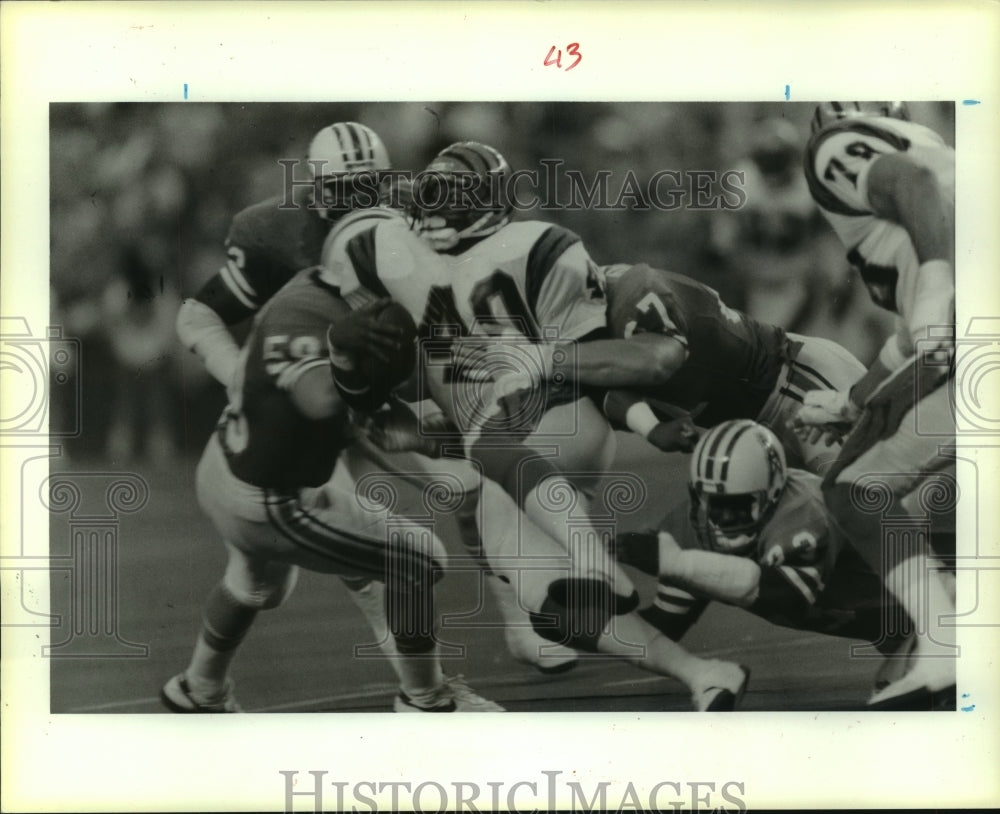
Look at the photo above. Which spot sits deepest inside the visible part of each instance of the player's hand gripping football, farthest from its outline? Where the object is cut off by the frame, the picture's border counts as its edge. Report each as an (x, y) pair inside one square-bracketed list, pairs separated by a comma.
[(825, 414), (360, 332)]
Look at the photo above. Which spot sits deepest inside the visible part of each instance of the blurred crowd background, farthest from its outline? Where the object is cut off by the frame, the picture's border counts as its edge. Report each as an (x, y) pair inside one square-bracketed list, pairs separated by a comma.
[(142, 196)]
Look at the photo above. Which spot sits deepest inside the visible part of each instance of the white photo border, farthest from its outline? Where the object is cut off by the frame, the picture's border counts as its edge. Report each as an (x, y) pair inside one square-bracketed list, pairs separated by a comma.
[(680, 51)]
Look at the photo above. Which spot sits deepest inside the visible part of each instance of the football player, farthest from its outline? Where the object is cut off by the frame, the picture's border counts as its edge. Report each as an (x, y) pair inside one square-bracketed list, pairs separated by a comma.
[(757, 535), (684, 346), (507, 292), (270, 241), (280, 439), (267, 244), (491, 278), (716, 362), (887, 187)]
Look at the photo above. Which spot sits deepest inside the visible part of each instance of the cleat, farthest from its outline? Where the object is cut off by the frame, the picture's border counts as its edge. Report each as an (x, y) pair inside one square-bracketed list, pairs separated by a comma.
[(176, 696), (927, 683), (895, 665), (722, 689), (527, 647), (454, 695), (403, 703), (918, 700), (465, 699)]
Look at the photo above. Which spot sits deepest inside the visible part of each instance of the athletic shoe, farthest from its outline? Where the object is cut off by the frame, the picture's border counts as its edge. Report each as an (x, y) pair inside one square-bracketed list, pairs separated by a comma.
[(176, 696), (721, 687), (454, 695), (895, 665), (928, 682)]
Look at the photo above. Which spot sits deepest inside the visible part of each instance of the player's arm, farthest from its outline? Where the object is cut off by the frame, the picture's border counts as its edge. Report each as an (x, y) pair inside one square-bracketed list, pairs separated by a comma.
[(649, 341), (570, 297), (225, 299), (908, 193), (645, 360), (630, 410), (722, 577), (203, 332)]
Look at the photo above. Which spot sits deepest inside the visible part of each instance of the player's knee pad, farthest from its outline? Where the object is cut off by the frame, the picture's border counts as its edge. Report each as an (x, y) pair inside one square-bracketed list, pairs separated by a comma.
[(582, 609), (262, 585), (671, 625)]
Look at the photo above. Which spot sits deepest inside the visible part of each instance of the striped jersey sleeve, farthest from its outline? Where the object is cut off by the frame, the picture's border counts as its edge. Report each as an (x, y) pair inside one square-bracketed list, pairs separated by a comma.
[(562, 287)]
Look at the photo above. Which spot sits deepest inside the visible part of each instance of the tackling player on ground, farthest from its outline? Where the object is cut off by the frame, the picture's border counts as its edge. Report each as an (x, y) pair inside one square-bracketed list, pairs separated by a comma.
[(887, 187), (757, 535), (717, 363)]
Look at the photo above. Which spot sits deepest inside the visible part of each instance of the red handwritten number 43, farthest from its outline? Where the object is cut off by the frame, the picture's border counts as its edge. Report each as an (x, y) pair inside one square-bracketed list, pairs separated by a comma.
[(572, 50)]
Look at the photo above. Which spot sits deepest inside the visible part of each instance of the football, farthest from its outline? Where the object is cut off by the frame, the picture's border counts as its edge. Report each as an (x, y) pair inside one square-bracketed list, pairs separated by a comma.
[(401, 363)]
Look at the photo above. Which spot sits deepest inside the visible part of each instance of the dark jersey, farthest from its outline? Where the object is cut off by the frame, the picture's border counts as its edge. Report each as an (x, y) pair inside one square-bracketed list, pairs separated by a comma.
[(733, 361), (267, 244), (267, 441), (809, 579)]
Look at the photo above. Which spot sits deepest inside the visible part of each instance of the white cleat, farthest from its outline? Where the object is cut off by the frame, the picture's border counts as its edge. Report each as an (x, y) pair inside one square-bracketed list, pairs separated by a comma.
[(928, 681), (895, 665), (454, 695), (721, 687), (177, 696)]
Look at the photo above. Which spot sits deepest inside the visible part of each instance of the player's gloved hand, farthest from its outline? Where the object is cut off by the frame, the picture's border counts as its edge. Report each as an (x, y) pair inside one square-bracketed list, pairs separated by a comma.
[(638, 549), (679, 435), (828, 413), (361, 332)]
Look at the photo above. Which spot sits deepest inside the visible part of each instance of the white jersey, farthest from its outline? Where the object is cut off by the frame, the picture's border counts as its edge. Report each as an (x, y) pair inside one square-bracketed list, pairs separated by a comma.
[(837, 162), (528, 281)]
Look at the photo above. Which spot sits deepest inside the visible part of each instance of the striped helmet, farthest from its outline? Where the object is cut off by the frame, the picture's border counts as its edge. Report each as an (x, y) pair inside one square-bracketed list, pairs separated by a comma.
[(346, 159), (462, 194), (738, 473), (828, 112)]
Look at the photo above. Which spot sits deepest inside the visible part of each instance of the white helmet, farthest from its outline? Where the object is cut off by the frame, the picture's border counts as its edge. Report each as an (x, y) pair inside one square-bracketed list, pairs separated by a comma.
[(827, 113), (738, 473), (346, 160)]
